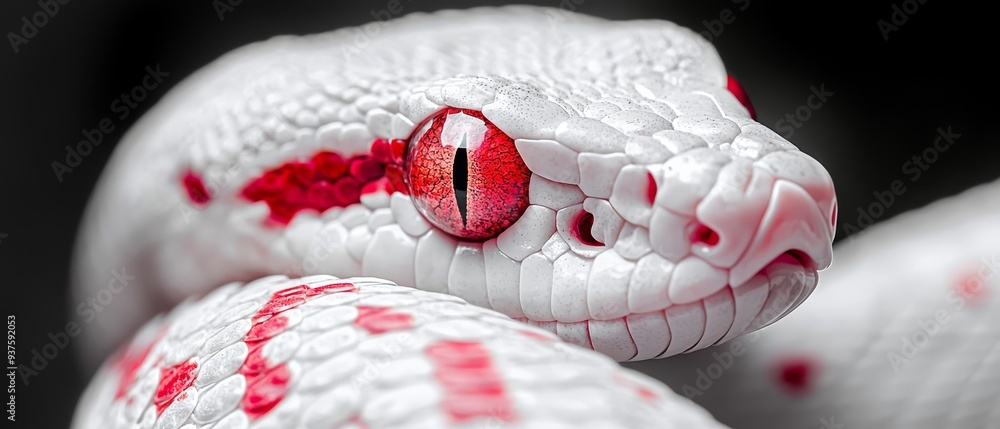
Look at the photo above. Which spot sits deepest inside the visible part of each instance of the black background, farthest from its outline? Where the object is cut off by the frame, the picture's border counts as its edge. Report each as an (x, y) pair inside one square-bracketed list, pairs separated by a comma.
[(890, 97)]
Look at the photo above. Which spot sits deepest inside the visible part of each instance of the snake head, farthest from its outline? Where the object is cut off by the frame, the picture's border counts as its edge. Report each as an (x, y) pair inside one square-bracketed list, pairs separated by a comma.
[(663, 215), (598, 179)]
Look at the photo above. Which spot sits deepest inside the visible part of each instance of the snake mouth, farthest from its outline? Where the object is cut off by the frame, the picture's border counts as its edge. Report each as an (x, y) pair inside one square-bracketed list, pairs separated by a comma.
[(791, 278), (673, 328), (734, 310)]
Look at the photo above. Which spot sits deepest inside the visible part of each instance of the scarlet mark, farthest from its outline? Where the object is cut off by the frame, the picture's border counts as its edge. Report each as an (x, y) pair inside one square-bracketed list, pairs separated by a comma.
[(972, 287), (267, 383), (734, 87), (173, 381), (377, 320), (473, 388), (128, 366), (646, 394), (536, 336), (472, 188), (195, 188), (357, 422), (650, 188), (326, 180), (366, 169), (265, 391), (264, 330), (643, 391), (583, 229), (796, 374)]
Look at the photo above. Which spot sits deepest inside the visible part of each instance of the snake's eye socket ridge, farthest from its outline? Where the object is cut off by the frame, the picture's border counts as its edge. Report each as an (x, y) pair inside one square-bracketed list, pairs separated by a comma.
[(465, 175), (741, 94)]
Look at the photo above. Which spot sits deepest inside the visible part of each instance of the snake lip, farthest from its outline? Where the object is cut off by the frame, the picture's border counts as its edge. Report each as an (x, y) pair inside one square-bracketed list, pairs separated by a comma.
[(801, 257), (791, 278), (715, 317)]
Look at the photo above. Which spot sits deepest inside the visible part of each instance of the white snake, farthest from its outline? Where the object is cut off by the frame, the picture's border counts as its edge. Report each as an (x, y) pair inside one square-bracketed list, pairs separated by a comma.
[(610, 189)]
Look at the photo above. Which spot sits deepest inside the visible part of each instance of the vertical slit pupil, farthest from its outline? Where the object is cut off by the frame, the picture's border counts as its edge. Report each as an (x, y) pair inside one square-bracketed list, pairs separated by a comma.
[(460, 181)]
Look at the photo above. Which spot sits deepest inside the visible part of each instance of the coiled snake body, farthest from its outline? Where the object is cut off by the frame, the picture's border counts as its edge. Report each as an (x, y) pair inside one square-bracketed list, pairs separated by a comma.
[(602, 183)]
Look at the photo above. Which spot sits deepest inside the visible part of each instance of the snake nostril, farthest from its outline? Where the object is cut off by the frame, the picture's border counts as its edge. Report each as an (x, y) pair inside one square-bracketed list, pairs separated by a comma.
[(650, 188), (195, 187), (704, 235), (833, 217), (583, 229)]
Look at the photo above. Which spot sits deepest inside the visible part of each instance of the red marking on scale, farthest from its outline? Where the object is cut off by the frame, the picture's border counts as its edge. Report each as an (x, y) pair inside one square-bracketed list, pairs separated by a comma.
[(367, 169), (195, 188), (267, 382), (326, 180), (173, 381), (357, 422), (398, 148), (381, 184), (266, 329), (536, 336), (643, 391), (396, 177), (377, 320), (650, 188), (128, 366), (332, 288), (972, 287), (734, 87), (473, 387), (646, 394), (382, 152), (796, 374), (265, 391)]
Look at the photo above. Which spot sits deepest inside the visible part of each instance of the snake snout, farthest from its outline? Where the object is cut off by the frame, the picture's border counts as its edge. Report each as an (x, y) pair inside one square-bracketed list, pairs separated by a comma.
[(760, 229), (793, 224)]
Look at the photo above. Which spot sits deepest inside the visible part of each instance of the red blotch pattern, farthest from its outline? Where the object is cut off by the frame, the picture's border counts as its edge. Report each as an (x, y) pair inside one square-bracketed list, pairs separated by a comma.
[(377, 320), (326, 180), (195, 187), (267, 383), (796, 374), (497, 188), (173, 381), (741, 95), (650, 188), (644, 392), (972, 287), (536, 336), (473, 387), (128, 366), (267, 389)]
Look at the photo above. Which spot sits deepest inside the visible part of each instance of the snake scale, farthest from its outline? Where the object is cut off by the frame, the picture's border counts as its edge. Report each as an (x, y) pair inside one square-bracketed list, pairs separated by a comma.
[(536, 182)]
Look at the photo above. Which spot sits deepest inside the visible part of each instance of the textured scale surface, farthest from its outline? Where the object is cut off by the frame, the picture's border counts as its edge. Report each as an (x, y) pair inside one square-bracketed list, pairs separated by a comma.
[(903, 334), (321, 352), (662, 218)]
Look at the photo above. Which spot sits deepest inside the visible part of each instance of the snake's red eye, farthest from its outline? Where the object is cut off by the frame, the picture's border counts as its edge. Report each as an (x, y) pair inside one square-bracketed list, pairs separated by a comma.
[(741, 95), (465, 175)]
